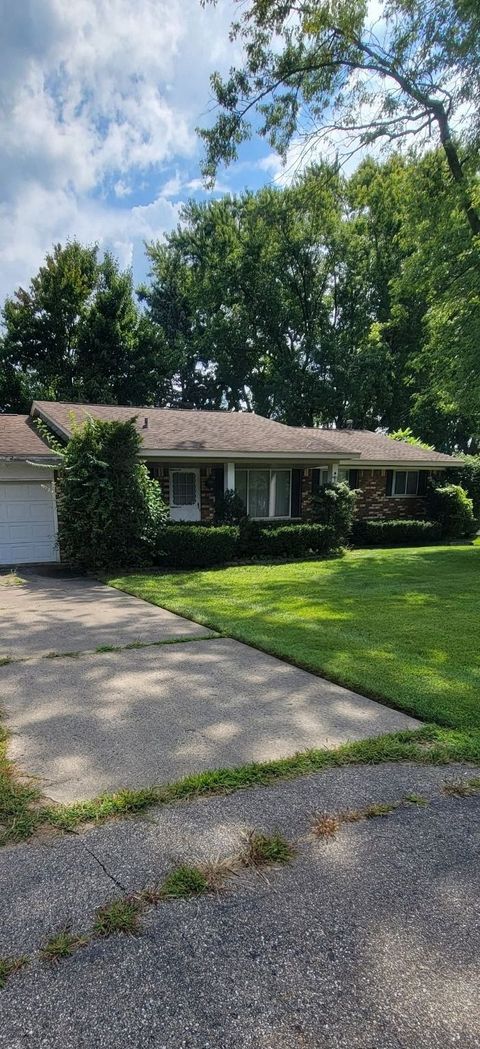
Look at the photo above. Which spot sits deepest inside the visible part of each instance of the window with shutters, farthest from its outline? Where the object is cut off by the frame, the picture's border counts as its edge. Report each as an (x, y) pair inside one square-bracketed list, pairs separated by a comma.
[(265, 493)]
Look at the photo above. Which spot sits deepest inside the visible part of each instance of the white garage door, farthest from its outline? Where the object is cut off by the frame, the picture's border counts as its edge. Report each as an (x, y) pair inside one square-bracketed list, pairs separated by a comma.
[(27, 522)]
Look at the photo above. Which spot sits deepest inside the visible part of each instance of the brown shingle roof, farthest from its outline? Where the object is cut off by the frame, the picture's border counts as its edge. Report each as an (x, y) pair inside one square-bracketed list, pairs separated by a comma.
[(377, 448), (181, 430), (237, 433), (19, 438)]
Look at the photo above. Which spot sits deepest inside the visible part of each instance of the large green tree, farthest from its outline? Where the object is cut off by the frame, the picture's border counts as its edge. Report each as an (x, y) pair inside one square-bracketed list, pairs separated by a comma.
[(77, 334), (312, 67)]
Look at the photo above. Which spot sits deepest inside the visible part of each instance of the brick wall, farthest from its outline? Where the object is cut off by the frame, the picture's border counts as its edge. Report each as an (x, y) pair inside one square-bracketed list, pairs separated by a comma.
[(207, 494), (373, 502), (306, 498)]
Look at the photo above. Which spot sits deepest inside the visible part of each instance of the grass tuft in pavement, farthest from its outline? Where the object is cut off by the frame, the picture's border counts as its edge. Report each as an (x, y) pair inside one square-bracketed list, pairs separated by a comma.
[(119, 916), (62, 945), (415, 799), (461, 788), (8, 966), (184, 881), (264, 850), (11, 579)]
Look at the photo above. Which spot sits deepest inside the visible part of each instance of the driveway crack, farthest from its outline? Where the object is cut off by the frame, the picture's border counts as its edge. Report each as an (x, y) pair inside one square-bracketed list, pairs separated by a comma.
[(105, 869)]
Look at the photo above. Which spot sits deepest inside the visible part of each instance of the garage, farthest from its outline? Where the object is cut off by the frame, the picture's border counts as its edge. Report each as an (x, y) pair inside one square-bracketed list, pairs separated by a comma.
[(28, 519)]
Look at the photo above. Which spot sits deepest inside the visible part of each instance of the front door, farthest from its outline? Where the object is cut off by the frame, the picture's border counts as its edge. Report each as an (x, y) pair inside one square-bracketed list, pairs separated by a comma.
[(184, 495)]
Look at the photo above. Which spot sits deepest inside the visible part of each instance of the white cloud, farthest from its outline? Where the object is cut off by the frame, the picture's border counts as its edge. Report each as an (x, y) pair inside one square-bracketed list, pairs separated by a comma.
[(98, 98)]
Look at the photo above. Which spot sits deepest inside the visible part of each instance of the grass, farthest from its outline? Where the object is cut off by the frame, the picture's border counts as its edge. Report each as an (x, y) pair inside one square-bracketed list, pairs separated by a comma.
[(22, 813), (119, 916), (62, 945), (398, 625), (326, 824), (8, 966), (11, 579), (183, 882), (263, 850)]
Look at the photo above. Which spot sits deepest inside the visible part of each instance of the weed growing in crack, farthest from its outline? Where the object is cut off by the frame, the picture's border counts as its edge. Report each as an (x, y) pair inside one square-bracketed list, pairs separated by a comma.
[(265, 850), (8, 966), (415, 799), (184, 881), (461, 788), (62, 945), (119, 916)]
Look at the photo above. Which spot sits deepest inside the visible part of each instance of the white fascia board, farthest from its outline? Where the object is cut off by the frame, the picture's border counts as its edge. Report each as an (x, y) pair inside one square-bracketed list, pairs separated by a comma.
[(40, 413), (171, 454), (409, 464)]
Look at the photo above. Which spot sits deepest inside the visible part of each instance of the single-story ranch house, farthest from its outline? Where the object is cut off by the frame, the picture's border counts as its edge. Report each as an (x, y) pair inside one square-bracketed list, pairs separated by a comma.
[(195, 455)]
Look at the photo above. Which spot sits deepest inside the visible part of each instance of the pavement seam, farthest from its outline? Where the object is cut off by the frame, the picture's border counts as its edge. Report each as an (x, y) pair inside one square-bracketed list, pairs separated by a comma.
[(7, 661), (235, 864)]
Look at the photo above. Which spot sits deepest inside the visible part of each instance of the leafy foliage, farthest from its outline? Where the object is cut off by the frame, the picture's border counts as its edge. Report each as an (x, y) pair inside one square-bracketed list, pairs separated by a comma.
[(450, 505), (77, 334), (229, 508), (408, 437), (327, 68), (380, 532), (110, 510), (184, 545), (468, 475), (334, 505)]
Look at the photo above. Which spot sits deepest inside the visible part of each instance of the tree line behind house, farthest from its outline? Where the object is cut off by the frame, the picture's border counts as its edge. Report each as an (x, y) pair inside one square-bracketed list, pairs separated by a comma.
[(334, 301)]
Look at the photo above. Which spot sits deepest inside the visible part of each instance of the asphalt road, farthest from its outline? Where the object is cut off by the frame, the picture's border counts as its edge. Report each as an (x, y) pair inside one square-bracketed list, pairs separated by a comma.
[(370, 940)]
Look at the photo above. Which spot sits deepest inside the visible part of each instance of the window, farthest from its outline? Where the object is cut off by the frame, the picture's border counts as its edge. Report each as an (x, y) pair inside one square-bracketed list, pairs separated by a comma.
[(265, 493), (184, 488), (405, 482)]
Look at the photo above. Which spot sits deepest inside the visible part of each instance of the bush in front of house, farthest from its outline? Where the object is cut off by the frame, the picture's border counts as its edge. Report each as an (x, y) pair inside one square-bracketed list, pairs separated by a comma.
[(384, 532), (452, 508), (110, 510), (334, 505), (467, 474), (295, 541), (194, 546), (229, 508)]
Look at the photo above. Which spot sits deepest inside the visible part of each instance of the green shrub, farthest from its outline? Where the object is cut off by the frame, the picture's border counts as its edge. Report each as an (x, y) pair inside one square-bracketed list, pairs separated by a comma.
[(230, 508), (451, 507), (249, 537), (468, 475), (334, 505), (110, 510), (379, 532), (296, 540), (187, 545)]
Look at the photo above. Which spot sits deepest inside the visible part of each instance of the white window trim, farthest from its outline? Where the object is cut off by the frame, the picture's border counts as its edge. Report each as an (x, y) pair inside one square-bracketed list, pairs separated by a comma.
[(272, 493), (404, 495)]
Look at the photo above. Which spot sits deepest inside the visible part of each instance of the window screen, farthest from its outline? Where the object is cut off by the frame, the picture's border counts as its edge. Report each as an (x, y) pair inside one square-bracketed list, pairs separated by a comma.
[(184, 489)]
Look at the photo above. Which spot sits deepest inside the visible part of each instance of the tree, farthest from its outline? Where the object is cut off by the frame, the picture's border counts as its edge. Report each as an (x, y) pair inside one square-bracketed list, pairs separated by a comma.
[(77, 335), (110, 510), (408, 437), (316, 67)]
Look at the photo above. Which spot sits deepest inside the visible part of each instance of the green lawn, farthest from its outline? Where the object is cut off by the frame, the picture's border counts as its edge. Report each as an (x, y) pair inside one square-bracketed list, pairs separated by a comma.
[(400, 625)]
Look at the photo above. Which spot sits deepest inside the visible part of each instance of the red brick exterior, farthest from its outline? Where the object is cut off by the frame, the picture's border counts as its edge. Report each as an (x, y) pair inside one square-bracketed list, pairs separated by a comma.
[(372, 500), (207, 494), (306, 496)]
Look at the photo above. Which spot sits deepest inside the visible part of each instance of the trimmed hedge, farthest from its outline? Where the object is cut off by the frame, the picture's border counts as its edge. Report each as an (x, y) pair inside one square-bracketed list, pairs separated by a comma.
[(196, 546), (295, 540), (379, 532)]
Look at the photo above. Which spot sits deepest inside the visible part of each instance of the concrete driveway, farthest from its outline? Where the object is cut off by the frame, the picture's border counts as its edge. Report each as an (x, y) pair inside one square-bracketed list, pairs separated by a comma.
[(131, 718), (54, 614)]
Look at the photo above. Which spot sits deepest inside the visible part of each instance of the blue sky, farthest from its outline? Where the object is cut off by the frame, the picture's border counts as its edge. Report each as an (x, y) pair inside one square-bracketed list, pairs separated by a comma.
[(99, 104)]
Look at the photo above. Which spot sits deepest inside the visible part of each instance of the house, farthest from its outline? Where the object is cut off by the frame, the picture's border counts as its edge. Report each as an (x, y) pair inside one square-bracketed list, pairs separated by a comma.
[(196, 455)]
